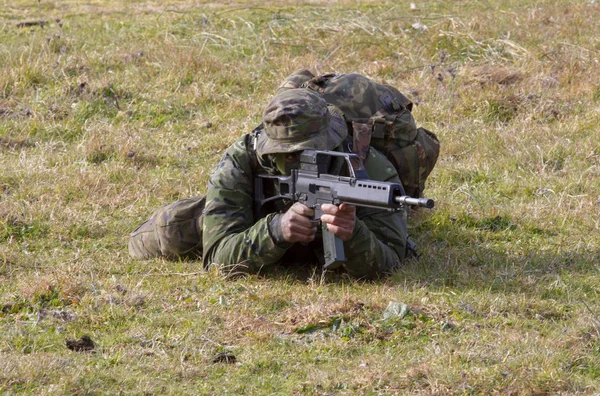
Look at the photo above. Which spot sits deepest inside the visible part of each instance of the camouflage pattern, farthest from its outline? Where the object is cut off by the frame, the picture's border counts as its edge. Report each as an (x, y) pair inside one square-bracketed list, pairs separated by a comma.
[(234, 238), (299, 119), (398, 126), (231, 234), (378, 107), (361, 139), (295, 80), (358, 96), (174, 230), (237, 241), (240, 243), (415, 161), (380, 116)]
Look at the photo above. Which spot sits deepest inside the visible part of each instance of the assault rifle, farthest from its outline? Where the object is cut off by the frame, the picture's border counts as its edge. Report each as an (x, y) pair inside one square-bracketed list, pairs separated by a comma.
[(311, 185)]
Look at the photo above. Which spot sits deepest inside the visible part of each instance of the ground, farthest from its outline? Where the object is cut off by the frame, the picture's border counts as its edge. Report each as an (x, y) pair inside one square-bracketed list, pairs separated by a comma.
[(110, 109)]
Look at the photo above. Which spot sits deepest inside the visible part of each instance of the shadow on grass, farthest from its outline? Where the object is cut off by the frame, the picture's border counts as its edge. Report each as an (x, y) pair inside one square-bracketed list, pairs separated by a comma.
[(463, 252), (496, 254)]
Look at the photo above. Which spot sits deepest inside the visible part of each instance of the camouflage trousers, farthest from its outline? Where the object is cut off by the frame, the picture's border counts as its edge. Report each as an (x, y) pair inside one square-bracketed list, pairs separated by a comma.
[(174, 230)]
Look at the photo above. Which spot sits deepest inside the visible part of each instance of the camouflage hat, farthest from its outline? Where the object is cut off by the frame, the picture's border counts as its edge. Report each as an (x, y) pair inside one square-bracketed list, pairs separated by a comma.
[(299, 119)]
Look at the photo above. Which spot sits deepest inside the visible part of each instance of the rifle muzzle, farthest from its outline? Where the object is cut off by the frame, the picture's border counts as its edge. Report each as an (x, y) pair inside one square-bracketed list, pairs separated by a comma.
[(422, 202)]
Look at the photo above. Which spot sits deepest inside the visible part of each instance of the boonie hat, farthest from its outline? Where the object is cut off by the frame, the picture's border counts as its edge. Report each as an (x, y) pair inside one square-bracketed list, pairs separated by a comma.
[(299, 119)]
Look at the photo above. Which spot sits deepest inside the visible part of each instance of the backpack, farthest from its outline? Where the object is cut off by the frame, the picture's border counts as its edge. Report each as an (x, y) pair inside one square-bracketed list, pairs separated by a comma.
[(378, 115)]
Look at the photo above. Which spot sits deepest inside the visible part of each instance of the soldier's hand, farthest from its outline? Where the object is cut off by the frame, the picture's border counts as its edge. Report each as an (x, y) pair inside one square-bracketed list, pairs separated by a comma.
[(296, 225), (340, 220)]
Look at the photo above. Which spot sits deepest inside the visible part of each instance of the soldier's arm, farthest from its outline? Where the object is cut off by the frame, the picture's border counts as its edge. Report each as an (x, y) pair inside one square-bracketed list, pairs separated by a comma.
[(231, 236), (378, 244)]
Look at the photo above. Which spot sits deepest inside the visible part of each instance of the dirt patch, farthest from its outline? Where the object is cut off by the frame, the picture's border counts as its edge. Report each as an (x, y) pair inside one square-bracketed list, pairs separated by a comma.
[(501, 75), (321, 314), (224, 357), (84, 344), (15, 143)]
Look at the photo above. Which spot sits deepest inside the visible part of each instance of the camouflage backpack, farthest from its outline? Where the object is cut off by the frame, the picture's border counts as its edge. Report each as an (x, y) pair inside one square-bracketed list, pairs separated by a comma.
[(378, 115)]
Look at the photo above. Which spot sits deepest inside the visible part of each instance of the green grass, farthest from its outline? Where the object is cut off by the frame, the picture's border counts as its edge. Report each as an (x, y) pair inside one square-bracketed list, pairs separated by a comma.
[(121, 107)]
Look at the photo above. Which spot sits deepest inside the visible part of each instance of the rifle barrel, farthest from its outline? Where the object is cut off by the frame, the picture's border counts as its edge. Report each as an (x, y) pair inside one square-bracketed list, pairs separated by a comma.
[(423, 202)]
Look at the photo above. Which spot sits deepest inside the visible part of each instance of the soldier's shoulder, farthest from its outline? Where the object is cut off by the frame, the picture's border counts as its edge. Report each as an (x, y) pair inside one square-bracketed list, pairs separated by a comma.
[(242, 150), (239, 158), (242, 145)]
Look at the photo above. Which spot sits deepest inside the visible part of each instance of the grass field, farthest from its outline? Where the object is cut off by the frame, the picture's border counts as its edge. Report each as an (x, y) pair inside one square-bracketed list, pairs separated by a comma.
[(112, 108)]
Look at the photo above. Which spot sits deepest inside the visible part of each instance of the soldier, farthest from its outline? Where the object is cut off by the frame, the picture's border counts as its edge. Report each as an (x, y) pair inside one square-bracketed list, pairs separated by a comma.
[(223, 229)]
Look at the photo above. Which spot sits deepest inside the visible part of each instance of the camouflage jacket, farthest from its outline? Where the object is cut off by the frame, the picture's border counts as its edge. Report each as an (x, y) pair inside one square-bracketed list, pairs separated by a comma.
[(232, 236)]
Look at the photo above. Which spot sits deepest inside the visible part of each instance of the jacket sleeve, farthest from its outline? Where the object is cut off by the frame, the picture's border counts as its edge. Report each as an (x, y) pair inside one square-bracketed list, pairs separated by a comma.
[(231, 237), (378, 244)]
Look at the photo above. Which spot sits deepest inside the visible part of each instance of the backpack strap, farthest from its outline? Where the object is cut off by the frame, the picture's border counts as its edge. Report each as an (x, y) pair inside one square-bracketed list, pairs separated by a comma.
[(253, 136), (361, 138), (379, 126), (383, 122), (252, 140), (319, 83)]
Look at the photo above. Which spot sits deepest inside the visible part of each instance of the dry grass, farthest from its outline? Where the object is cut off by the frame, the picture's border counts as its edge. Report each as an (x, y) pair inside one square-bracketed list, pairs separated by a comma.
[(112, 109)]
